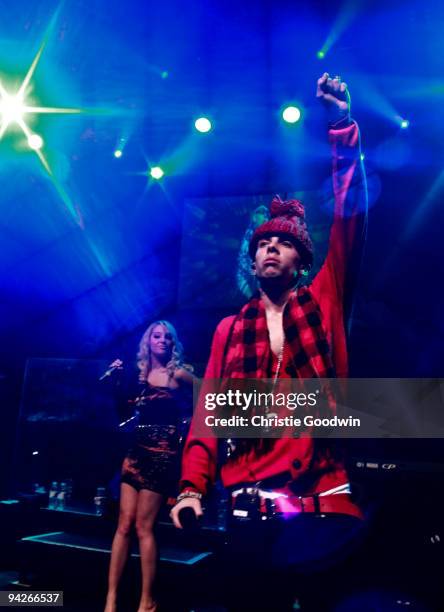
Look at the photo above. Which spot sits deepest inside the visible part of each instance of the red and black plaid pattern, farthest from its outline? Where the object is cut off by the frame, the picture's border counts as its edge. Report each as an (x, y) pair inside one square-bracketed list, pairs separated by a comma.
[(247, 350)]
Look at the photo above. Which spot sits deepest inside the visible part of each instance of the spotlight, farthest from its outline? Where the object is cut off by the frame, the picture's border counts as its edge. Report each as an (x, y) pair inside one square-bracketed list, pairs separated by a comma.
[(320, 54), (156, 173), (118, 153), (164, 74), (291, 114), (35, 452), (362, 156), (11, 108), (203, 125), (35, 142), (405, 124)]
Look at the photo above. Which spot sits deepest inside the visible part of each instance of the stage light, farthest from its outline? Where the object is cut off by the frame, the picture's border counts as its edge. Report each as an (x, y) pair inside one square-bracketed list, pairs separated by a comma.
[(12, 109), (17, 110), (362, 156), (118, 153), (291, 114), (405, 124), (203, 125), (35, 452), (346, 13), (164, 74), (156, 173), (35, 142)]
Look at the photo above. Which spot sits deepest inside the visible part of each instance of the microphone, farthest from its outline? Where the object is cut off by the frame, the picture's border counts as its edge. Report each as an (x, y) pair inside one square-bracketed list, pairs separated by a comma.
[(114, 366), (188, 519)]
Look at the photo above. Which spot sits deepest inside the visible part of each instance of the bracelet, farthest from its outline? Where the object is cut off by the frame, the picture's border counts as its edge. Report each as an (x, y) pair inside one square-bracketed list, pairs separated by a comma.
[(190, 494), (341, 123)]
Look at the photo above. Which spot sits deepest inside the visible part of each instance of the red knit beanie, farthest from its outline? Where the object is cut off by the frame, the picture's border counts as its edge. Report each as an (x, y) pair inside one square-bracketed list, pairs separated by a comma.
[(288, 219)]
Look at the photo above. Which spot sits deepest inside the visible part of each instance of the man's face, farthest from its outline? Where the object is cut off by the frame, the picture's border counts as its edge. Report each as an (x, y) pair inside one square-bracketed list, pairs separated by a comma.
[(276, 257)]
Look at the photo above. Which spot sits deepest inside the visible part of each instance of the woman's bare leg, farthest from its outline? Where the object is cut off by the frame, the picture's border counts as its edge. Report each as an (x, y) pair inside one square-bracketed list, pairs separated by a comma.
[(121, 542), (148, 507)]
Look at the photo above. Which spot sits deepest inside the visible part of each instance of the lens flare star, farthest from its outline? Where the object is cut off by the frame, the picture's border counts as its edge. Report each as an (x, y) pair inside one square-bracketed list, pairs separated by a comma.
[(14, 108)]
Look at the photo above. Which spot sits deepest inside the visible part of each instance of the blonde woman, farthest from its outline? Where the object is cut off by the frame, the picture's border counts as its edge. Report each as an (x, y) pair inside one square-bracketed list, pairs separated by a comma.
[(150, 469)]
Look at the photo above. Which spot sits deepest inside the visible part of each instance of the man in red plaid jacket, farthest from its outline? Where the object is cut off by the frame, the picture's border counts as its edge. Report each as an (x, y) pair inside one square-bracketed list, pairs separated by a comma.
[(285, 331), (300, 331)]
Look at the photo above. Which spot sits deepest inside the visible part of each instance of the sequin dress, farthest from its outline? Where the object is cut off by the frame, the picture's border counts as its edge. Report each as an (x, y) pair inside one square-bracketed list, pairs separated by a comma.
[(153, 461)]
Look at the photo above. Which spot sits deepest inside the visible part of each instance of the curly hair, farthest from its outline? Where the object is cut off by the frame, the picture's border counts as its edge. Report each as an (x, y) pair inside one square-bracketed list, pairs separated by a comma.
[(144, 362)]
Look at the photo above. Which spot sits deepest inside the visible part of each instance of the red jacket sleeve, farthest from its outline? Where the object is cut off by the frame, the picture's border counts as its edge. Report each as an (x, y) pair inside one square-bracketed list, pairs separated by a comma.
[(333, 286), (199, 460)]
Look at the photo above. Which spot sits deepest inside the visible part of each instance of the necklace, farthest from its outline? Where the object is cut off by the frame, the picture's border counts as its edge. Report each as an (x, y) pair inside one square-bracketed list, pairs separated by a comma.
[(275, 377), (279, 363)]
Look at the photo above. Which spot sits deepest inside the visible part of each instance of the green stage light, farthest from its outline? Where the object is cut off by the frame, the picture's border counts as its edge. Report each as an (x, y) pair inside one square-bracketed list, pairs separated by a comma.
[(35, 142), (347, 12), (405, 124), (13, 110), (291, 114), (16, 108), (203, 125), (118, 153), (156, 173)]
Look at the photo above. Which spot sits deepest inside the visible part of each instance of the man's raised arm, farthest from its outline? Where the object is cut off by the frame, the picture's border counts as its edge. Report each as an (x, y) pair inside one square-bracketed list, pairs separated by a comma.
[(336, 280)]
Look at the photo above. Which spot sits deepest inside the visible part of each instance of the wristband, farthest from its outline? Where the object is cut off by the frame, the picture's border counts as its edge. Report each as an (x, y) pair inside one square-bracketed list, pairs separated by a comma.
[(340, 123), (190, 494)]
